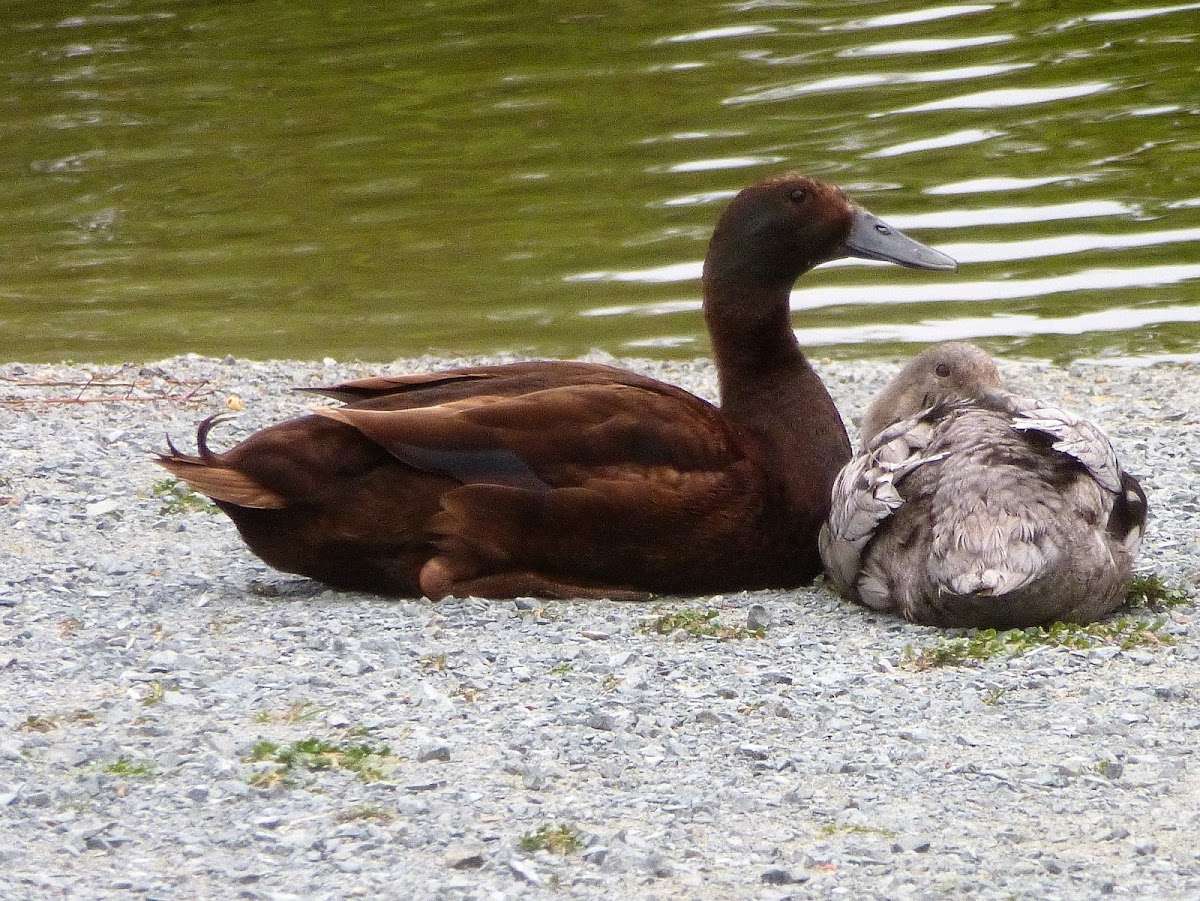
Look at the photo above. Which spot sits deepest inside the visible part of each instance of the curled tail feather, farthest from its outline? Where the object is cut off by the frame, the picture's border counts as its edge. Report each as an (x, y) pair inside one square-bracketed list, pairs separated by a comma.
[(204, 473)]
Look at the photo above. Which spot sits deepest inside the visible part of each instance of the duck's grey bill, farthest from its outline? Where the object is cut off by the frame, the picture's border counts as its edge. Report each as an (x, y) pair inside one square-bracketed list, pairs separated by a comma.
[(873, 239)]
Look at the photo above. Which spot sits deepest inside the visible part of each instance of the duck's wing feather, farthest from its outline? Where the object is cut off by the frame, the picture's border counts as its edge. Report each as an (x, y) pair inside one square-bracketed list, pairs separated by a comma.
[(550, 438), (508, 379)]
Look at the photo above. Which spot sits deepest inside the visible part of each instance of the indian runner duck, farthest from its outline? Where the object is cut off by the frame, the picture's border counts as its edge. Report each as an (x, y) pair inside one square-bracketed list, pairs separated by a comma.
[(967, 505), (569, 479)]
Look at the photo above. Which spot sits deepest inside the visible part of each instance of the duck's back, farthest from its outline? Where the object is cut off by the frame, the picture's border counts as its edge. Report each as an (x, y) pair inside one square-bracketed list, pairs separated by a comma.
[(999, 528)]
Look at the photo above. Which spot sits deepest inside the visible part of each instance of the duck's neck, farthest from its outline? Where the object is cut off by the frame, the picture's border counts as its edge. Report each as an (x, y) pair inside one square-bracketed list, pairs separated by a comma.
[(768, 387)]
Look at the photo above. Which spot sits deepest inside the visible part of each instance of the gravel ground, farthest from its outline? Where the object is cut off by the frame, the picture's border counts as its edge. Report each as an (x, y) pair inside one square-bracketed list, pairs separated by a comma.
[(145, 655)]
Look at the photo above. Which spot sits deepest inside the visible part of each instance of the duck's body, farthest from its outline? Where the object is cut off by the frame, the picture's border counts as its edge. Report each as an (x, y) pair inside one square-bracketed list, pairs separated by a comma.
[(971, 506), (559, 479)]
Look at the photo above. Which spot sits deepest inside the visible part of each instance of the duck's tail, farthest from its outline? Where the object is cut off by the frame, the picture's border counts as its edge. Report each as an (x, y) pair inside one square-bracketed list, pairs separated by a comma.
[(205, 473)]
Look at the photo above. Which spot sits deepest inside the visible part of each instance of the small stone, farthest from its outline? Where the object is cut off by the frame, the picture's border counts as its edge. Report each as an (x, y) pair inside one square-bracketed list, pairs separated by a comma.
[(603, 721), (1074, 766), (464, 856), (596, 634), (658, 865), (162, 662), (754, 752), (432, 785), (100, 508), (596, 854), (356, 667), (918, 844), (779, 876), (757, 617), (433, 751), (525, 872), (534, 779)]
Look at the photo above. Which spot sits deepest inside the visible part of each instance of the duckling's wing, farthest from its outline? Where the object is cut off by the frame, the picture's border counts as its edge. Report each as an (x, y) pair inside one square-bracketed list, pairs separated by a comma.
[(1076, 437), (864, 493)]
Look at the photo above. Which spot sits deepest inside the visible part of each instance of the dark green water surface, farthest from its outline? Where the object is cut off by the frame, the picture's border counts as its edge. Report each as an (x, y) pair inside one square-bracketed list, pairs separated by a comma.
[(297, 179)]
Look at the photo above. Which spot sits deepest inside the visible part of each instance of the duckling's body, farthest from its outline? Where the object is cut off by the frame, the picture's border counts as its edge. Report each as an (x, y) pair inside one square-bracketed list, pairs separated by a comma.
[(971, 506), (560, 479)]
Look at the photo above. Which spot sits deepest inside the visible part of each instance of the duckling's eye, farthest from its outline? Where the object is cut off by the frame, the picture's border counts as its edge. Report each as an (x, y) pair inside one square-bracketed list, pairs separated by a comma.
[(798, 196), (942, 370), (883, 229)]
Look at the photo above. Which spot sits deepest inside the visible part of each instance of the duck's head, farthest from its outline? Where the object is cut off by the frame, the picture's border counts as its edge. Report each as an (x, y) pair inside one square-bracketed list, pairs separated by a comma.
[(945, 372), (781, 227)]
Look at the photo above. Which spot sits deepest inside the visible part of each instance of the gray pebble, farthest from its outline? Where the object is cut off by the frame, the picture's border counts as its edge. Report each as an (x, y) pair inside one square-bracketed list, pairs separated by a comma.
[(757, 617), (464, 856), (433, 751)]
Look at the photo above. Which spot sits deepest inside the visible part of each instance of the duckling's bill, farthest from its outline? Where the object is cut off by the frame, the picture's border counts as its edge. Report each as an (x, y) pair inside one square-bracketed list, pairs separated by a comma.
[(871, 238)]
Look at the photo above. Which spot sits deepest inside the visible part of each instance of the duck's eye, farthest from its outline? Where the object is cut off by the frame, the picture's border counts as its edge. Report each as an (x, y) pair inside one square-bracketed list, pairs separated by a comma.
[(798, 196), (882, 229), (942, 370)]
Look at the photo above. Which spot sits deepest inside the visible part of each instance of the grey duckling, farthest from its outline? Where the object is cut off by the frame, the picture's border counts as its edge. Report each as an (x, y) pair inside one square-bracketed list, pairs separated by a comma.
[(967, 505)]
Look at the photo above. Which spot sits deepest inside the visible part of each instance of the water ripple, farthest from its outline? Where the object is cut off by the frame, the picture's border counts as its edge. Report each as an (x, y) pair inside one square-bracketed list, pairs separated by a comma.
[(927, 45), (729, 162), (1002, 325), (1107, 279), (1015, 215), (932, 14), (1009, 97), (852, 82), (710, 34), (1125, 15), (954, 139), (985, 185)]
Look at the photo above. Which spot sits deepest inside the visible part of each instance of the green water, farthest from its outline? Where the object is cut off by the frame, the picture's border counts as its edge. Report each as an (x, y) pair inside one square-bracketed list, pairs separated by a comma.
[(374, 180)]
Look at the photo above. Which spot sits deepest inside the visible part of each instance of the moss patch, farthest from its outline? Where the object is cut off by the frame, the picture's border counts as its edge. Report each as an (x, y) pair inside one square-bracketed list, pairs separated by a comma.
[(697, 623), (1124, 632), (314, 754), (179, 498), (1150, 592), (561, 840)]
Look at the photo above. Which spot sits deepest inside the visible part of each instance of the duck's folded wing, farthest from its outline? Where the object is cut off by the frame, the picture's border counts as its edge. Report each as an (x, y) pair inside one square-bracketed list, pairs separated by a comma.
[(1077, 438), (399, 392), (865, 494), (550, 438), (398, 385)]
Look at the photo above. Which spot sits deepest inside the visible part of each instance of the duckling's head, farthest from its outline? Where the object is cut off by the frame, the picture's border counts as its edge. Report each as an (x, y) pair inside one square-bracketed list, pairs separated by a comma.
[(944, 372)]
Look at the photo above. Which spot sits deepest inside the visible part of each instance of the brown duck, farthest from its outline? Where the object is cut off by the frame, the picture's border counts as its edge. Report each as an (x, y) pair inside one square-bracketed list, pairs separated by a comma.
[(576, 480), (971, 506)]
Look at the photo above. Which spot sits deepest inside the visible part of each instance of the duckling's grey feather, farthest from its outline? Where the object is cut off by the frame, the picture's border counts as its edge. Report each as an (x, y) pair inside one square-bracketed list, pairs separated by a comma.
[(983, 508)]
